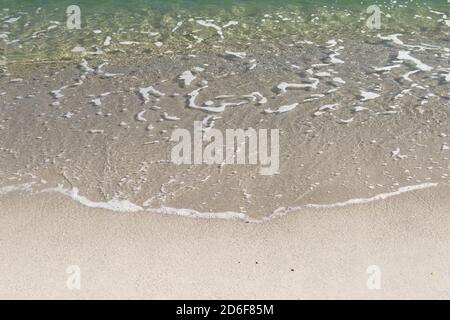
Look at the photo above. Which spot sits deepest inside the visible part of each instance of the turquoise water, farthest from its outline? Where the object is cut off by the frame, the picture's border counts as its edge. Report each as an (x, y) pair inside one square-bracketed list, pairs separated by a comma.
[(151, 26)]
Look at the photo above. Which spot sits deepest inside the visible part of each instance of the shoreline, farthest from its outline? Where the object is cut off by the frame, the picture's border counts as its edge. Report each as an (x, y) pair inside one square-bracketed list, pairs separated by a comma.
[(318, 253), (125, 206)]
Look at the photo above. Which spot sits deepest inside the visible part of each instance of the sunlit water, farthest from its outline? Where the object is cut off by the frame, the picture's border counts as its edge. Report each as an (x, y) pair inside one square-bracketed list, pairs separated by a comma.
[(363, 112), (37, 30)]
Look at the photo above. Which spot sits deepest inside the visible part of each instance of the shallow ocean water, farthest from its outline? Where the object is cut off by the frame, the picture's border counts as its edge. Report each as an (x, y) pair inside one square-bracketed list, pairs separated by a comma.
[(363, 113), (40, 32)]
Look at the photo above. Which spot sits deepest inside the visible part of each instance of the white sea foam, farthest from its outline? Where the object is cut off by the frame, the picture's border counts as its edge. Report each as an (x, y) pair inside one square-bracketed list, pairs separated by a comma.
[(339, 80), (140, 116), (192, 96), (323, 74), (114, 204), (187, 77), (387, 68), (58, 93), (107, 41), (211, 25), (333, 56), (146, 92), (393, 37), (179, 24), (256, 97), (359, 109), (396, 154), (446, 75), (238, 55), (366, 95), (118, 205), (405, 55), (128, 43), (78, 49), (84, 65), (96, 102), (331, 43), (96, 131), (284, 86), (12, 20), (345, 121), (406, 75), (20, 187), (331, 107), (282, 109), (382, 196), (230, 23), (167, 117), (127, 206)]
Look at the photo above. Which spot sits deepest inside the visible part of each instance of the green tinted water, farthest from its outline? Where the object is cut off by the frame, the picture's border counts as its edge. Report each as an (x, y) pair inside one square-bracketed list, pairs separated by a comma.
[(142, 27)]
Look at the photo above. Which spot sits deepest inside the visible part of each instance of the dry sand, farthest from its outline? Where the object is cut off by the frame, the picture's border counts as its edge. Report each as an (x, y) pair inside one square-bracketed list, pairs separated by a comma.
[(309, 254)]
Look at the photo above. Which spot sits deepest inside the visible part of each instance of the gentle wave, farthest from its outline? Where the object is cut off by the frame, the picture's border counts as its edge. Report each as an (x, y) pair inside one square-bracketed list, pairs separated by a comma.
[(127, 206)]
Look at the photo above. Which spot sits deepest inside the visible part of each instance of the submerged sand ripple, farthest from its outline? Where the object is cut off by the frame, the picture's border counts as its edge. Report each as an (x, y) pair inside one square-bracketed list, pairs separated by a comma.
[(358, 118)]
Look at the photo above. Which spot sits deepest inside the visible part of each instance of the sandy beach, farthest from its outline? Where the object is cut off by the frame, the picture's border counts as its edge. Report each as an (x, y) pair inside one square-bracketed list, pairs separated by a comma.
[(305, 255)]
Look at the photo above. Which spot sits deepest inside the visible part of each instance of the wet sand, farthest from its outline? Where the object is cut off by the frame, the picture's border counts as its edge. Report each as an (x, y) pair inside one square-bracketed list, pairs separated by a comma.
[(89, 115), (105, 129), (321, 253)]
